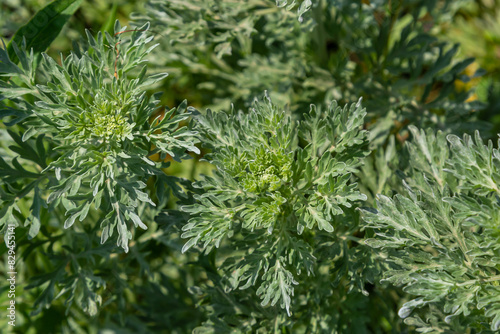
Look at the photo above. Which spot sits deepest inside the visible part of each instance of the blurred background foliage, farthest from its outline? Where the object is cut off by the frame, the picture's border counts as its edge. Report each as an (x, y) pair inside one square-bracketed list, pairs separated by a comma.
[(342, 50), (477, 29), (94, 15)]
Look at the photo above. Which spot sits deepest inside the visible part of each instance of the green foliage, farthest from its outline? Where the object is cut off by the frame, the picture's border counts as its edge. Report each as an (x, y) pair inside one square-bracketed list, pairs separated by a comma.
[(440, 238), (88, 132), (89, 104), (44, 27), (277, 188), (303, 6), (272, 216), (384, 51)]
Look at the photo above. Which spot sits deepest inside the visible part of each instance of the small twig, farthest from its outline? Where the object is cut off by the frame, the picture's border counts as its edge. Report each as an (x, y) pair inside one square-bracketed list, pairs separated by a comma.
[(118, 51)]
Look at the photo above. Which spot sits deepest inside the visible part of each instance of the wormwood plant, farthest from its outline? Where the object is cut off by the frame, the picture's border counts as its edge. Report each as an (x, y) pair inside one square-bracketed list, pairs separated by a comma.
[(277, 185), (97, 122), (83, 131), (277, 219), (385, 51), (440, 238), (273, 238)]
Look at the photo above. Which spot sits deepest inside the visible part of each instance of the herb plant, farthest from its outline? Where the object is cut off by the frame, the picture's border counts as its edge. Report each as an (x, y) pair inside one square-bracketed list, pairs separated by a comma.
[(323, 172), (88, 132), (439, 237), (98, 122), (277, 185)]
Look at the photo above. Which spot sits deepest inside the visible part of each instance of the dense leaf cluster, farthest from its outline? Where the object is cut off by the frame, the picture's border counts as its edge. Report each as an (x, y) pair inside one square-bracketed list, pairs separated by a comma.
[(97, 123), (88, 130), (441, 235), (309, 216), (277, 181), (386, 52)]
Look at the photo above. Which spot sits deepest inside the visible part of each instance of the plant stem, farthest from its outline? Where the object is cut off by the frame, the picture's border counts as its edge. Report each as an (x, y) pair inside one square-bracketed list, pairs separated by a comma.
[(320, 35)]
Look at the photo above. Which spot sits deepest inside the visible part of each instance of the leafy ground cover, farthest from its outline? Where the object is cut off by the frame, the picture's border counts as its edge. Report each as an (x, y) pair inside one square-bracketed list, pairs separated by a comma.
[(262, 166)]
